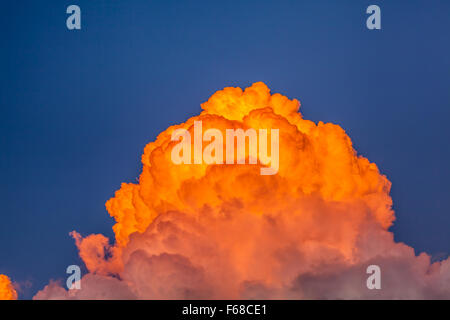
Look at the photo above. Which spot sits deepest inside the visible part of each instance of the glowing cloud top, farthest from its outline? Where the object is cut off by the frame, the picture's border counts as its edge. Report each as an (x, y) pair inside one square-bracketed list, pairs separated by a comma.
[(7, 291), (226, 231)]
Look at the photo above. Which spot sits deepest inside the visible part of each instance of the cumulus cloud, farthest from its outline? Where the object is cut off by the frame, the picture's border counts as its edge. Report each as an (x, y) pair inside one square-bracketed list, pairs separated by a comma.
[(7, 291), (189, 231)]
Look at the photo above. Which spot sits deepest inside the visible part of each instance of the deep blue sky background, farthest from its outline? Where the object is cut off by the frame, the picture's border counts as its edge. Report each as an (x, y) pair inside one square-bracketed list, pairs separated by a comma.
[(78, 107)]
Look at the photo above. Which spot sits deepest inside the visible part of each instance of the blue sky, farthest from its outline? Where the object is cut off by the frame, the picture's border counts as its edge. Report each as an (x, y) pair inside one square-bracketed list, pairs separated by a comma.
[(78, 107)]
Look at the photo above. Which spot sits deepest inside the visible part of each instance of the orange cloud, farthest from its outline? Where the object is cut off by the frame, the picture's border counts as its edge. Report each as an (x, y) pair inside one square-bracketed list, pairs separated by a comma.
[(7, 291), (226, 231)]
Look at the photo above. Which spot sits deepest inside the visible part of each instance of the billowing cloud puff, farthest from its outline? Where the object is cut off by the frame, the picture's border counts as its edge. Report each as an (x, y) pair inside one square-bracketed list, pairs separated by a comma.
[(7, 291), (224, 231)]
